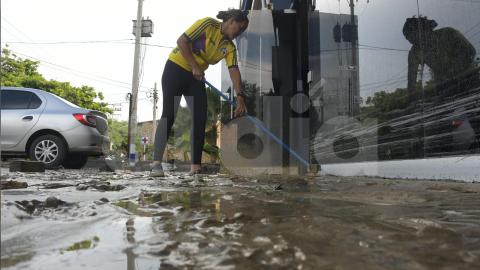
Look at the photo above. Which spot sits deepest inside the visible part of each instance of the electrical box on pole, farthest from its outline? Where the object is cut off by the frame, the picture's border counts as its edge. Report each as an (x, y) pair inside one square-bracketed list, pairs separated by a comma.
[(147, 27)]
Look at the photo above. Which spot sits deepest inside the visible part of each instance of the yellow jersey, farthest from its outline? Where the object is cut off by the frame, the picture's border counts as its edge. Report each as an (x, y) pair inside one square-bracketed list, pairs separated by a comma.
[(208, 46)]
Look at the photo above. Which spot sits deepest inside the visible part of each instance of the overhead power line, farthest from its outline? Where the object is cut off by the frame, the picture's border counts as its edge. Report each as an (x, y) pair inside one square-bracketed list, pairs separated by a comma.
[(467, 1), (471, 28), (383, 48), (157, 45), (116, 41), (23, 36), (97, 78), (70, 42)]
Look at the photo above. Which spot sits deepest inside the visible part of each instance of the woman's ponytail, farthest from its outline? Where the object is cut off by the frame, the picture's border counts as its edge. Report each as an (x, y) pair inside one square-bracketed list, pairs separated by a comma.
[(237, 15)]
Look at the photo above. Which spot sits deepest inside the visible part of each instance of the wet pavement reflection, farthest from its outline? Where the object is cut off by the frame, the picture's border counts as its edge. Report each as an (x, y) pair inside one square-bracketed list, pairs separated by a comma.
[(65, 220)]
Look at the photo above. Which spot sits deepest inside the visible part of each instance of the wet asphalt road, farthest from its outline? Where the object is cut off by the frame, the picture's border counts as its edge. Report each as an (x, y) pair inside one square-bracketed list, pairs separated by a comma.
[(87, 219)]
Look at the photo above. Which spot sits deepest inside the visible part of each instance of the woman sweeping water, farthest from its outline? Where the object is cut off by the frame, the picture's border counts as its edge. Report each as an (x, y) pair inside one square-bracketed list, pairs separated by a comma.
[(205, 43)]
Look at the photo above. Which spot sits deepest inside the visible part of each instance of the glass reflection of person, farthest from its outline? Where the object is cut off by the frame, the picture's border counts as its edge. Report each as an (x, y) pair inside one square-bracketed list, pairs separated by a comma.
[(445, 51)]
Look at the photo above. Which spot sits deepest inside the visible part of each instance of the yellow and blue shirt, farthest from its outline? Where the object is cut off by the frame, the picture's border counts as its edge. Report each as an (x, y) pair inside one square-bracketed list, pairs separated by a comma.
[(208, 46)]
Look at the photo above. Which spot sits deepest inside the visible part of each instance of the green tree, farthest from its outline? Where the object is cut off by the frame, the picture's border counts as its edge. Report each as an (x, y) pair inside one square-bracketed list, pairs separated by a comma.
[(19, 72), (180, 137), (252, 91), (213, 116), (118, 133)]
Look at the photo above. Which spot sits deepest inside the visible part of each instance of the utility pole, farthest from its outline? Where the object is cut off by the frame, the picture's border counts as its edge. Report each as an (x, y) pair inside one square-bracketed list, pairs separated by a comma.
[(154, 121), (354, 86), (129, 98), (132, 132)]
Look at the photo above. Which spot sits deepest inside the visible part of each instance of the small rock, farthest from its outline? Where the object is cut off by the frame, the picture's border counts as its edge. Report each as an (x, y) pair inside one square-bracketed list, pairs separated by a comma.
[(98, 202), (363, 244), (262, 240), (53, 202), (36, 202), (12, 185), (238, 216), (26, 206), (102, 187), (162, 203), (82, 187), (106, 168), (118, 187), (96, 182), (24, 202), (108, 187), (105, 200), (185, 181), (299, 255), (56, 185), (211, 223), (179, 208)]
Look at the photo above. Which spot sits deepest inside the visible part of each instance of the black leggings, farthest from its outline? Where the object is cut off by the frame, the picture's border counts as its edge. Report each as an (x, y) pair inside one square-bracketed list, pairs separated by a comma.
[(176, 82)]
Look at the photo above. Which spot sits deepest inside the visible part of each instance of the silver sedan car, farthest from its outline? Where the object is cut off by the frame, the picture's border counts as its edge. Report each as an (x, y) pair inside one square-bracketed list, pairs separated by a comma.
[(49, 129)]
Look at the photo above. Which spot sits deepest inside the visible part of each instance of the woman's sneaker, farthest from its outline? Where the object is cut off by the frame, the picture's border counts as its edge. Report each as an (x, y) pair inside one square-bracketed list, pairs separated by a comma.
[(157, 170)]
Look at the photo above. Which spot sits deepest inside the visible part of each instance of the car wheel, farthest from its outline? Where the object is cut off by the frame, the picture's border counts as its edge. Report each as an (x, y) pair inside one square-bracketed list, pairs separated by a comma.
[(49, 149), (75, 161)]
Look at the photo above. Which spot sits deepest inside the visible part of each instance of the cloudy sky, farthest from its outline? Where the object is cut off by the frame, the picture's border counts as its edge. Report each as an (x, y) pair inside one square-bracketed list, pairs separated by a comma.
[(89, 42), (101, 50)]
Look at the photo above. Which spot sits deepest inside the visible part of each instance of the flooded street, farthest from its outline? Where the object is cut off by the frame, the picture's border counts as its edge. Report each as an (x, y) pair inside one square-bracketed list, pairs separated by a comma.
[(70, 219)]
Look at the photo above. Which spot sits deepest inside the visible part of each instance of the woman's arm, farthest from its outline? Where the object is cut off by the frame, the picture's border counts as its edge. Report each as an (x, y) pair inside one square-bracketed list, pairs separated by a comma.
[(184, 45), (237, 86)]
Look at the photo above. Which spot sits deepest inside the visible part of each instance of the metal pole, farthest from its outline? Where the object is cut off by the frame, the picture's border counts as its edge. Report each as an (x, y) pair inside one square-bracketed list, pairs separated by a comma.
[(129, 98), (135, 85), (353, 110), (144, 152), (154, 121)]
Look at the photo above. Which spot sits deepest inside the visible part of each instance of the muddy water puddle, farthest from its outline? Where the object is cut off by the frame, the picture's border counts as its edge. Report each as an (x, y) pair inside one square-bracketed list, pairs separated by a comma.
[(90, 220)]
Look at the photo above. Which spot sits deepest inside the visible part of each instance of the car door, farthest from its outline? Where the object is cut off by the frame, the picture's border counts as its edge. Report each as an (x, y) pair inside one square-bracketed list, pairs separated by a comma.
[(20, 111)]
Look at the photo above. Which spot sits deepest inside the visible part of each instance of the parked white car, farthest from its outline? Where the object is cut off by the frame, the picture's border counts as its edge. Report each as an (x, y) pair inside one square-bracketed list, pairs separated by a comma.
[(49, 129)]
